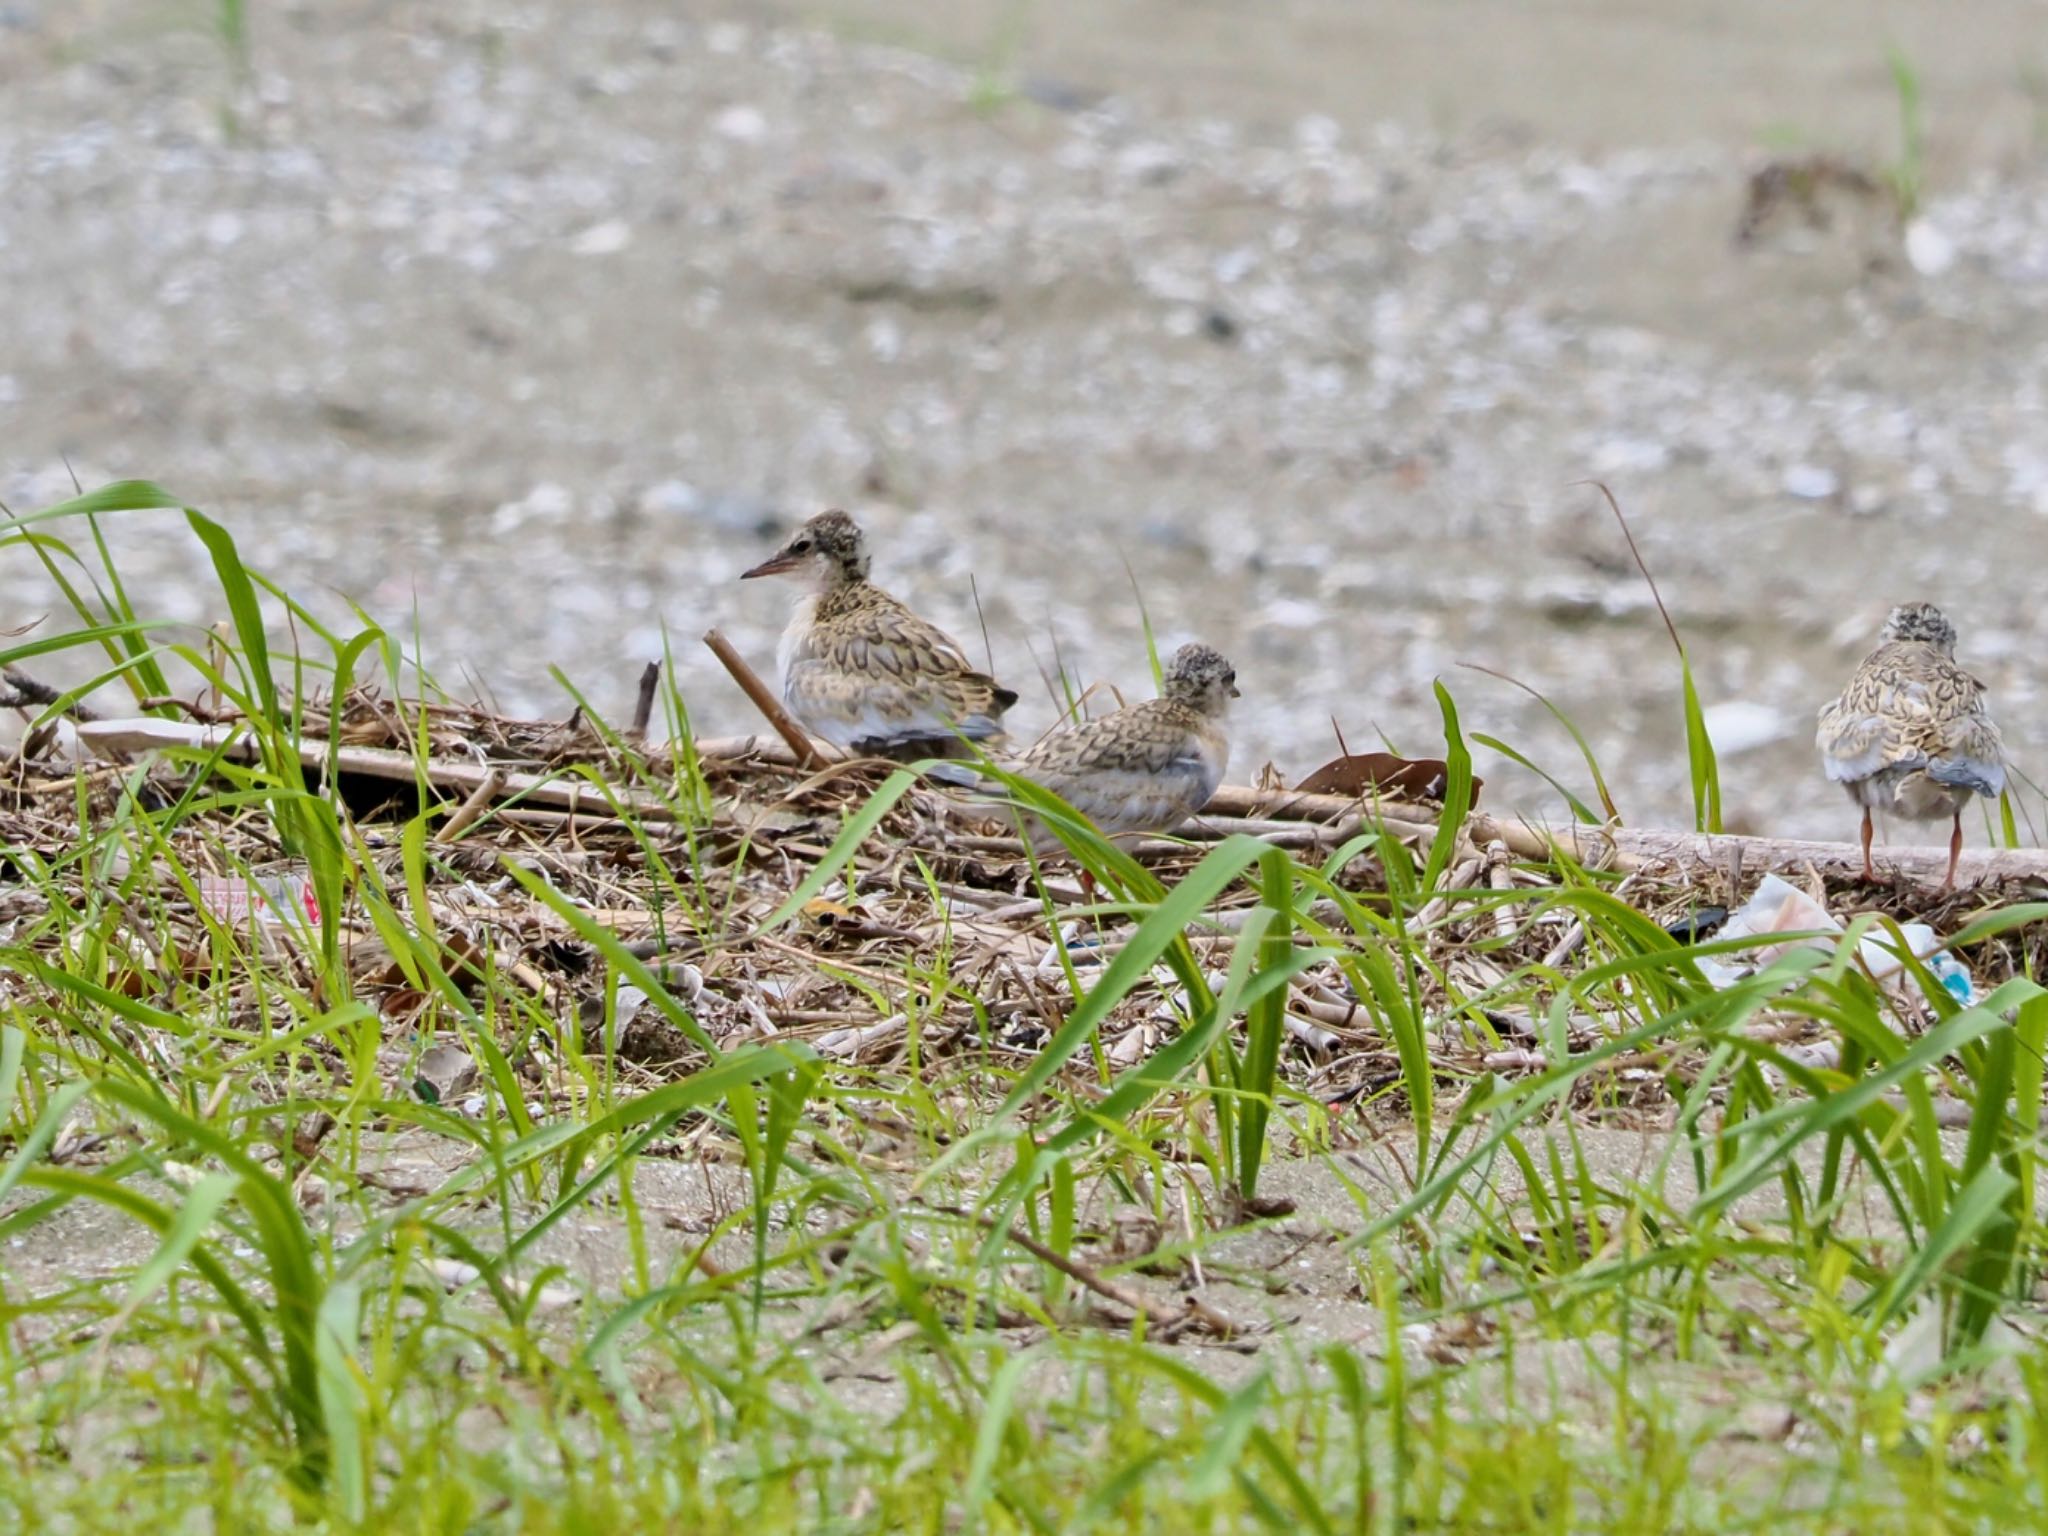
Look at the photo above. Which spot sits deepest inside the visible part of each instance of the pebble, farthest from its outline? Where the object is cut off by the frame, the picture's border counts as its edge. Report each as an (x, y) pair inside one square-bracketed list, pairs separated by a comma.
[(1928, 250), (743, 124), (1740, 725), (605, 239), (1811, 482)]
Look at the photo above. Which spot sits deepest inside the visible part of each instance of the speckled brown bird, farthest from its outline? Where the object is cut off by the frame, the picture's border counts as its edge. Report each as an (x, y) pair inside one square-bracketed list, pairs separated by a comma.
[(1911, 734), (1146, 767), (861, 670)]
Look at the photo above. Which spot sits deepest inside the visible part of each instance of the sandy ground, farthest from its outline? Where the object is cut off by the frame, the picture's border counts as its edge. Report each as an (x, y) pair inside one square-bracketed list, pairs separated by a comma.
[(1299, 1273), (540, 321), (1294, 1283)]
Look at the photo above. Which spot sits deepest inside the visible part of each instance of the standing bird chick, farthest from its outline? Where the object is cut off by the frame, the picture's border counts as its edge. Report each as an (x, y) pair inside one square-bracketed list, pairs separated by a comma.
[(1911, 733), (861, 670), (1149, 766)]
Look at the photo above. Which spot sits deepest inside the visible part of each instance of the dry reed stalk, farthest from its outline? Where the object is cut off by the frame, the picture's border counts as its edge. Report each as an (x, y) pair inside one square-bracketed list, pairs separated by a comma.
[(1463, 876), (803, 751), (480, 799)]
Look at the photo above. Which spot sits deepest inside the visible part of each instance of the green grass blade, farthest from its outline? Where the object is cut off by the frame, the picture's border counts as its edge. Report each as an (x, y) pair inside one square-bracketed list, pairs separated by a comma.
[(194, 1215), (243, 609), (1228, 1433), (1166, 924), (1581, 812), (1699, 753), (1259, 1068), (1572, 730), (1979, 1206), (857, 830), (989, 1436), (343, 1410), (1457, 793), (38, 1140)]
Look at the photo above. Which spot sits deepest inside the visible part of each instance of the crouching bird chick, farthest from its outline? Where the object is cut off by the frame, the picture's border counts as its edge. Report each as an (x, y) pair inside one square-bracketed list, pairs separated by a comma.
[(1146, 767), (861, 670), (1911, 734)]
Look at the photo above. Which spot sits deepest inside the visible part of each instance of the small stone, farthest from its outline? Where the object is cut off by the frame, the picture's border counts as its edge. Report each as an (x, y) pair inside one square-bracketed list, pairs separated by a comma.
[(1811, 482), (545, 503), (1317, 134), (1742, 726), (742, 124), (1928, 251), (447, 1072), (669, 498), (603, 239), (1630, 455)]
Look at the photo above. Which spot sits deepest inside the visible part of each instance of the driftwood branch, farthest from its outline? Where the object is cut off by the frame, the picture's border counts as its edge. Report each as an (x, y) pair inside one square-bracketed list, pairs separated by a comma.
[(1629, 848), (643, 705), (547, 791), (28, 690), (1617, 848)]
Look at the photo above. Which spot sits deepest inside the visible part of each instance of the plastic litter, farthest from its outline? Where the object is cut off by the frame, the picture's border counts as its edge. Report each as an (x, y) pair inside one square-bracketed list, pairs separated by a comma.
[(271, 899), (1781, 907)]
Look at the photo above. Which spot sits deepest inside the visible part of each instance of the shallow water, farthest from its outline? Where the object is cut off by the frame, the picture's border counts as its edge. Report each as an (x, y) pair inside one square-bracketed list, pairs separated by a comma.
[(540, 322)]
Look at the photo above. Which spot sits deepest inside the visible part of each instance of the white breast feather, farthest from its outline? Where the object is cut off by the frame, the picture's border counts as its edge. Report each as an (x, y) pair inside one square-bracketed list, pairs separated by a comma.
[(794, 636)]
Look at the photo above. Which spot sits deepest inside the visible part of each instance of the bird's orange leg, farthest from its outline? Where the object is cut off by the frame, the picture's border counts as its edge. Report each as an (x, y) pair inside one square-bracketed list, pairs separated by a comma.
[(1955, 853), (1868, 872)]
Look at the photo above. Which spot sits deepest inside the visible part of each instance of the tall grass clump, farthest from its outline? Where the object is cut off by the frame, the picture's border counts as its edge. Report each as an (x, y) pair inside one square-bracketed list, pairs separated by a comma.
[(686, 1167)]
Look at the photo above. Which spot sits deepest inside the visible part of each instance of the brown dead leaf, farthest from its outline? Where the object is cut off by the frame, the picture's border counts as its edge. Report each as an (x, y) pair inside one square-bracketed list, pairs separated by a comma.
[(1382, 773)]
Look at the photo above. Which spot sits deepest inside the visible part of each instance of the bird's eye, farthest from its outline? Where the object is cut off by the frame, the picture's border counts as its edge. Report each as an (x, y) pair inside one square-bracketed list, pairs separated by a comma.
[(801, 547)]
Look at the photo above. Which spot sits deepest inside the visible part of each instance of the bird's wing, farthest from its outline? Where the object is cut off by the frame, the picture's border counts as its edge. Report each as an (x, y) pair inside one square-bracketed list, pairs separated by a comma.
[(1971, 752), (1852, 740), (1945, 724), (1883, 718), (1145, 768), (875, 673), (1910, 707)]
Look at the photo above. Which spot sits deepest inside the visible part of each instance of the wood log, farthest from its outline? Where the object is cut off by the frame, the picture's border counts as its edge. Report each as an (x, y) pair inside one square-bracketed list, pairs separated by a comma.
[(556, 791), (1629, 848)]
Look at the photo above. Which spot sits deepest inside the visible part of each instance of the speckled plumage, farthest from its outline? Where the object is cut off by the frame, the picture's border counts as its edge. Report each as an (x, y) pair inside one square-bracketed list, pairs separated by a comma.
[(1911, 734), (862, 671), (1149, 766)]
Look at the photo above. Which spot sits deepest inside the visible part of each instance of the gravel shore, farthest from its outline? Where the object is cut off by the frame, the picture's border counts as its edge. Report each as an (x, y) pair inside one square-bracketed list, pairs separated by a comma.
[(540, 323)]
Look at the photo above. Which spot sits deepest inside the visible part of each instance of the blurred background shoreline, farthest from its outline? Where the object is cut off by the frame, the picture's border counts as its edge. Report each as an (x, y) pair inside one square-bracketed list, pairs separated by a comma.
[(540, 322)]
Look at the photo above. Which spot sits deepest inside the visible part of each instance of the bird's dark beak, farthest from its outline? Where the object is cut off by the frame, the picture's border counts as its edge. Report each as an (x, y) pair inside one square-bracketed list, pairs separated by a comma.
[(1234, 693), (782, 560)]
